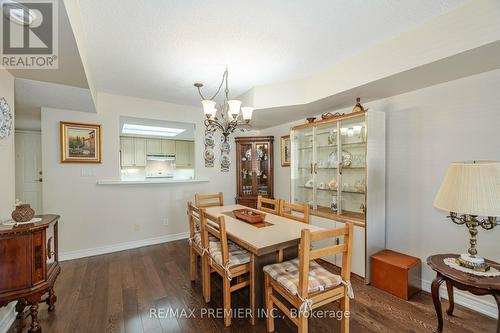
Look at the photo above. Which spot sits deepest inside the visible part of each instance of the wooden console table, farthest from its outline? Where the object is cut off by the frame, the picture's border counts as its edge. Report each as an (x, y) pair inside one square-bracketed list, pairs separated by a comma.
[(477, 285), (29, 266)]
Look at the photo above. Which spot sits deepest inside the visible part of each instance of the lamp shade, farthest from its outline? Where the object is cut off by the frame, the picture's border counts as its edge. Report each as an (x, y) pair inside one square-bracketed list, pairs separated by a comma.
[(471, 188), (234, 107), (246, 112), (209, 107)]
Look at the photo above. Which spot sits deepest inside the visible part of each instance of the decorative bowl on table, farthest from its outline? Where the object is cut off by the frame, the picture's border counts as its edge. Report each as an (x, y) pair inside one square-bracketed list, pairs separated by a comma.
[(23, 213), (249, 215)]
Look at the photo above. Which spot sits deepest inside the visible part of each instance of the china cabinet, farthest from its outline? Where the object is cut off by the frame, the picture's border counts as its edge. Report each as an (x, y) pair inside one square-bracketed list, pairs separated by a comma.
[(338, 168), (254, 169)]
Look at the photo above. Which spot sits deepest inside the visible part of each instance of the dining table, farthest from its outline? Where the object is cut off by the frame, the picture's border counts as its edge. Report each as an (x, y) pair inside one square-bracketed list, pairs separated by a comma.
[(275, 239)]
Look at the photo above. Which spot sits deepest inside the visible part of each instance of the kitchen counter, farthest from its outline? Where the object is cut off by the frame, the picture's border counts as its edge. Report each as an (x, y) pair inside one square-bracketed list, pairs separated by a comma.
[(149, 181)]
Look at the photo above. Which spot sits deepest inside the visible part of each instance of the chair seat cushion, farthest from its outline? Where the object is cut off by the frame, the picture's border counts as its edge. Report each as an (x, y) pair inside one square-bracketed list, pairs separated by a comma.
[(237, 256), (197, 239), (287, 274)]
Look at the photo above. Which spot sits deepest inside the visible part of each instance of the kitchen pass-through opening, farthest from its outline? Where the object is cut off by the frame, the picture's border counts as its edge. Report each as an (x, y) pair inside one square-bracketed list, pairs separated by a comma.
[(156, 149)]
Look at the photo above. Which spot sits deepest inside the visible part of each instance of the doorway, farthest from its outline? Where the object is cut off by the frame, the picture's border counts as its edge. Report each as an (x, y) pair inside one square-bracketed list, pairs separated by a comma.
[(29, 174)]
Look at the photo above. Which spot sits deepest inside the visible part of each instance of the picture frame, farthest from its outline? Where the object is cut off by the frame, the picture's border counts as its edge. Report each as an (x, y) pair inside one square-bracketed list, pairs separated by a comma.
[(80, 143), (286, 150)]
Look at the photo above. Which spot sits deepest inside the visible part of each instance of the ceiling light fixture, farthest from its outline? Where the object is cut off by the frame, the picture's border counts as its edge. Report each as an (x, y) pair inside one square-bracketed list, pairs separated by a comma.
[(151, 130), (229, 111)]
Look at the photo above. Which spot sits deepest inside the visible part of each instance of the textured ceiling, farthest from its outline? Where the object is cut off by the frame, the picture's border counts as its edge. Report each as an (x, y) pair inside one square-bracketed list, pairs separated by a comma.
[(157, 48)]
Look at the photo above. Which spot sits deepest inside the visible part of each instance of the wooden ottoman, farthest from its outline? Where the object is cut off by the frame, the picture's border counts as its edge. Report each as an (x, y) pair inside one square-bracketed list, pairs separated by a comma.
[(396, 273)]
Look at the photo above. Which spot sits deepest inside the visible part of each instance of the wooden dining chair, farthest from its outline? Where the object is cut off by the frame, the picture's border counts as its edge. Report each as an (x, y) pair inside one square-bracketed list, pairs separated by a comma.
[(195, 243), (265, 204), (306, 285), (209, 200), (288, 209), (230, 261)]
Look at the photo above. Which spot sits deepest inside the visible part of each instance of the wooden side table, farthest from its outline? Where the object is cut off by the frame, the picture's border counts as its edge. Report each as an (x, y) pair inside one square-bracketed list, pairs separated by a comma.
[(477, 285), (29, 266)]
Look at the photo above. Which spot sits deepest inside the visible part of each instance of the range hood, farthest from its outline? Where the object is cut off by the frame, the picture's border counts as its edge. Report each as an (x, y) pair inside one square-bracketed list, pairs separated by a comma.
[(161, 157)]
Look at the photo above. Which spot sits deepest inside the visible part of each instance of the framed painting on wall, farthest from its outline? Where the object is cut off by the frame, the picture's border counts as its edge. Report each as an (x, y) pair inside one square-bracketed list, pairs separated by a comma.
[(80, 143), (285, 151)]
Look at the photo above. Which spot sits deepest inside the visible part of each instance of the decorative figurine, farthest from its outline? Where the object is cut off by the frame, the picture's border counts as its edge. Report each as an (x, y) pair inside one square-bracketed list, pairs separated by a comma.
[(358, 107), (333, 184), (334, 203)]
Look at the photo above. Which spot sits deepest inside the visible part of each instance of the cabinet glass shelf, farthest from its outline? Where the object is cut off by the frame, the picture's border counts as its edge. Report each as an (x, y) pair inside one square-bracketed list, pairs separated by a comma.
[(330, 190), (335, 168)]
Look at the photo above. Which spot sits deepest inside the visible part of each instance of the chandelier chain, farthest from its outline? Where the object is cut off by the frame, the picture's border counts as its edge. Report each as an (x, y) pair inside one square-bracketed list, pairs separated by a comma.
[(224, 78)]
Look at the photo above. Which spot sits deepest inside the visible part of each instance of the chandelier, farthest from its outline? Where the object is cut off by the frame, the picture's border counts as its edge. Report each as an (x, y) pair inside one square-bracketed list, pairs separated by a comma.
[(232, 115)]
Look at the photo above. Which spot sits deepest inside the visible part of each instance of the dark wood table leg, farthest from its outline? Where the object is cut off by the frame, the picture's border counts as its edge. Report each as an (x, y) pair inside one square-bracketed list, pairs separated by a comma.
[(35, 325), (497, 298), (437, 302), (20, 306), (451, 301), (51, 300)]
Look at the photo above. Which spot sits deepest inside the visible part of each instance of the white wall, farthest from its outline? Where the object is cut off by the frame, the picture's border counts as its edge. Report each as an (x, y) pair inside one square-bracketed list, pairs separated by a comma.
[(96, 216), (428, 129), (7, 177)]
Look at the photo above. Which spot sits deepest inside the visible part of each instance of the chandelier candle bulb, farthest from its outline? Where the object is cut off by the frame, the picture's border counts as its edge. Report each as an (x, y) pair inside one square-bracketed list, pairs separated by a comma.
[(246, 112), (234, 107), (209, 107)]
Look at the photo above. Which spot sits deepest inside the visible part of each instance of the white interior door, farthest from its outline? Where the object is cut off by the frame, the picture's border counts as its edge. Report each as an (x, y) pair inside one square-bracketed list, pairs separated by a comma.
[(29, 174)]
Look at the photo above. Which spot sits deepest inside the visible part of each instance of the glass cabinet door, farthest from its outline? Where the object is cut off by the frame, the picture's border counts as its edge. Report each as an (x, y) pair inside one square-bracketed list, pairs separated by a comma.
[(246, 170), (352, 167), (262, 168), (326, 168), (302, 166)]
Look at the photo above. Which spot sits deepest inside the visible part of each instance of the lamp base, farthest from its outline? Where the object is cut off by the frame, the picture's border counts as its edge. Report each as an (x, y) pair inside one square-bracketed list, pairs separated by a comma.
[(475, 263)]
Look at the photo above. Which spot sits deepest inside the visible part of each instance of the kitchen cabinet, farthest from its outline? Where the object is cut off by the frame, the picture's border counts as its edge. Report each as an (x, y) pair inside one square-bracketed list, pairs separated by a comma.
[(168, 147), (338, 168), (191, 154), (154, 146), (133, 152), (127, 151), (184, 154), (140, 152)]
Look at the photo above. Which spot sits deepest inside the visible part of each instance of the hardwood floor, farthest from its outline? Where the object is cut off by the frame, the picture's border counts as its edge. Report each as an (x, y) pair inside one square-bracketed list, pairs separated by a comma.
[(115, 292)]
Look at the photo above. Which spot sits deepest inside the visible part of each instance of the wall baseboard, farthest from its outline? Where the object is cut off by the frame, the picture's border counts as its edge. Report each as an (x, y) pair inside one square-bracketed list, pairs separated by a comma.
[(8, 317), (466, 299), (70, 255)]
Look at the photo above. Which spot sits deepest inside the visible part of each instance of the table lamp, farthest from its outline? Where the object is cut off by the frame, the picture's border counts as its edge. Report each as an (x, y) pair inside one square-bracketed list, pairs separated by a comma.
[(471, 190)]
